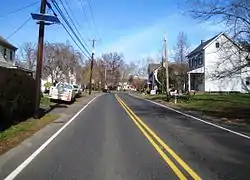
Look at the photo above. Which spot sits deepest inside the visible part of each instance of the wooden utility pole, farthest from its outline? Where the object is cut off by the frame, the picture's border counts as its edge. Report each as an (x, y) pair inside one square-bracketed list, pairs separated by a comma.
[(166, 65), (39, 59), (91, 66)]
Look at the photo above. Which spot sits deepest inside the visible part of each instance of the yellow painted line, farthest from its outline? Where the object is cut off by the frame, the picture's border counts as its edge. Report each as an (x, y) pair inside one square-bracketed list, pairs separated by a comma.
[(165, 146), (158, 149)]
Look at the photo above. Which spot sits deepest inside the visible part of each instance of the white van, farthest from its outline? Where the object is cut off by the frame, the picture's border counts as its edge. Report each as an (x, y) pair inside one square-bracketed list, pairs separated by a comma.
[(63, 91)]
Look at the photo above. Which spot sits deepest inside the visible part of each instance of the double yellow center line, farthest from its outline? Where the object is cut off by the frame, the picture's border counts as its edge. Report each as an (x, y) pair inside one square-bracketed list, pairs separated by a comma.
[(160, 145)]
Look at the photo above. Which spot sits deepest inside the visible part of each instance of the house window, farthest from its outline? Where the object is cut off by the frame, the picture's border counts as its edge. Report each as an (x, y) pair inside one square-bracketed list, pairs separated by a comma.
[(190, 63), (248, 60), (217, 45), (248, 81), (195, 61), (11, 55), (200, 59), (5, 53)]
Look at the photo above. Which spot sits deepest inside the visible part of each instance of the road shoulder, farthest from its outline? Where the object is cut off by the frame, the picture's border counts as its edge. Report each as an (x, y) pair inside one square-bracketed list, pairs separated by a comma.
[(241, 128)]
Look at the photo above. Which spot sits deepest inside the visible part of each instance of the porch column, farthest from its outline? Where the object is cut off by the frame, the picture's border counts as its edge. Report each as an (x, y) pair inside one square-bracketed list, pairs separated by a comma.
[(189, 83)]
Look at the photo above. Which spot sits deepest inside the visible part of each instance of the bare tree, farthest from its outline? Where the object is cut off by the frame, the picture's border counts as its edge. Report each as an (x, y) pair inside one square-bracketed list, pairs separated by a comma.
[(60, 61), (126, 70), (234, 15), (141, 66), (181, 50), (113, 63), (28, 55), (51, 67)]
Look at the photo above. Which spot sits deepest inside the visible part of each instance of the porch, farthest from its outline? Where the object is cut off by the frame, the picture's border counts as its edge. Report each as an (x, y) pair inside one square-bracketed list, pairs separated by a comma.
[(196, 80)]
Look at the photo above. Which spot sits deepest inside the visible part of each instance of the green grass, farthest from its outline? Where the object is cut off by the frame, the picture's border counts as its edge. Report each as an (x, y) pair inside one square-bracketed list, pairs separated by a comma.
[(45, 101), (230, 106), (12, 136), (217, 102)]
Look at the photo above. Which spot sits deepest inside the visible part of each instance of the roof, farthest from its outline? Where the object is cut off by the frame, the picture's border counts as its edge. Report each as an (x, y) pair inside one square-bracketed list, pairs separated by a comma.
[(5, 43), (9, 65), (203, 45), (152, 67)]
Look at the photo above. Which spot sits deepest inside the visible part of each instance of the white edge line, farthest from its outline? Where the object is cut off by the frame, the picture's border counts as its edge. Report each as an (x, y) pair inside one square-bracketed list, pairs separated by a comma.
[(19, 169), (193, 117)]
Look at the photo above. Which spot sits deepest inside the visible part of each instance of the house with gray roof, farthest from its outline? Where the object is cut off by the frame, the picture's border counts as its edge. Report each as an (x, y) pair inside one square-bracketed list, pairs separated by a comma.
[(152, 71)]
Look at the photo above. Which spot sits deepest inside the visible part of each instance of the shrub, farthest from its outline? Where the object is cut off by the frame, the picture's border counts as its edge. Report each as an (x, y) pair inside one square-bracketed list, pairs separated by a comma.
[(17, 96)]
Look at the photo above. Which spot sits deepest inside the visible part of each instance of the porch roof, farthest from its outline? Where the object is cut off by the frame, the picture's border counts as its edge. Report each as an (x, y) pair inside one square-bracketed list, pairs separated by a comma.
[(198, 70)]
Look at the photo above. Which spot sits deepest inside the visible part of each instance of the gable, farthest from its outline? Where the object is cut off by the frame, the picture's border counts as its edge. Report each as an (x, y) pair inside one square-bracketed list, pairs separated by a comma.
[(203, 45), (7, 44), (222, 37)]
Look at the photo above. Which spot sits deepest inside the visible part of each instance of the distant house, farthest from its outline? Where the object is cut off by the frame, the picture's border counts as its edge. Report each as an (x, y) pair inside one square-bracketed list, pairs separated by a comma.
[(7, 56), (7, 53), (59, 76), (210, 65), (152, 74)]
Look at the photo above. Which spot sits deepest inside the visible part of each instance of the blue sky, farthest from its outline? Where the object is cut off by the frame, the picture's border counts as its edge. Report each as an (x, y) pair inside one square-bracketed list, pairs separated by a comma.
[(134, 28)]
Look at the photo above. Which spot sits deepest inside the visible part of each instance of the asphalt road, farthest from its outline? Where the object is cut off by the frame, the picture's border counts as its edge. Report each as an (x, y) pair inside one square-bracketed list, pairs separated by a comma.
[(136, 140)]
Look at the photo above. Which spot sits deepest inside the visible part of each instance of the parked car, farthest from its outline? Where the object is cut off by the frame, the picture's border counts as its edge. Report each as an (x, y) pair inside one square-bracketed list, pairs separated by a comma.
[(63, 91), (77, 89)]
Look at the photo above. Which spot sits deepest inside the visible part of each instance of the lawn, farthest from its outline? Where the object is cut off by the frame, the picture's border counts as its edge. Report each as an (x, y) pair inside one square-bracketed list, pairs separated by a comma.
[(230, 106), (227, 105), (14, 135)]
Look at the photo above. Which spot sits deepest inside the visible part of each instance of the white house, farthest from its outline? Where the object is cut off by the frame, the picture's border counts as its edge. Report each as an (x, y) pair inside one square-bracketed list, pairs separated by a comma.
[(218, 65), (7, 53), (58, 75)]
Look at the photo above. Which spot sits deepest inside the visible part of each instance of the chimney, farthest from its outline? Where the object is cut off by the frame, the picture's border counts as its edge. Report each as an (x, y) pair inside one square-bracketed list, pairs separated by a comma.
[(202, 41)]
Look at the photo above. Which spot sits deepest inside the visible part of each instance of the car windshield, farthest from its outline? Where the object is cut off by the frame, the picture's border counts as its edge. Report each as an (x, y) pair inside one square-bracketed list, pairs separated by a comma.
[(64, 86), (75, 86)]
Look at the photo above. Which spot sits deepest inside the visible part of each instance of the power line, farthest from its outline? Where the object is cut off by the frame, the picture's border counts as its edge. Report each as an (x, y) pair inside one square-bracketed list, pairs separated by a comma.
[(69, 25), (72, 30), (75, 41), (20, 9), (70, 10), (84, 13), (19, 28), (93, 20), (72, 21)]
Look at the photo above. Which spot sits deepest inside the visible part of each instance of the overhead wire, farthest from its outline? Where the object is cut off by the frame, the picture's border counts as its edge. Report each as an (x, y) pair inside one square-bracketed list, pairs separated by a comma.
[(20, 9), (94, 22), (73, 15), (73, 23), (69, 25), (93, 18), (85, 15), (19, 28), (87, 54)]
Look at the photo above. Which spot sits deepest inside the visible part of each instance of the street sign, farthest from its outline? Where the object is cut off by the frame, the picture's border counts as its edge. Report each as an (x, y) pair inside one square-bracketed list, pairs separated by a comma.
[(45, 17)]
